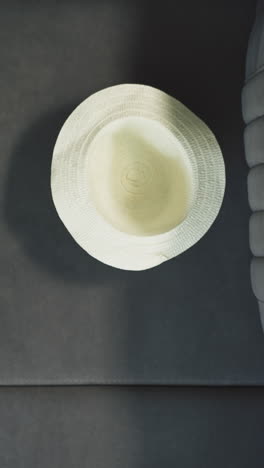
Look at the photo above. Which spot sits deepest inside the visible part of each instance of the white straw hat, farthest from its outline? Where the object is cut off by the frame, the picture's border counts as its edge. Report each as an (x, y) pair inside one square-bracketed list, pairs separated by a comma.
[(136, 177)]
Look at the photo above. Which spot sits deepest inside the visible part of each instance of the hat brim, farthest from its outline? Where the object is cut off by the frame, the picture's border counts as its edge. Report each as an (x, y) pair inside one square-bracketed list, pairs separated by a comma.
[(69, 182)]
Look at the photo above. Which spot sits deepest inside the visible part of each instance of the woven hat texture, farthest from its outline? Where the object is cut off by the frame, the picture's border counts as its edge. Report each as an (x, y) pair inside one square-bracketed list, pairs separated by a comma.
[(137, 178)]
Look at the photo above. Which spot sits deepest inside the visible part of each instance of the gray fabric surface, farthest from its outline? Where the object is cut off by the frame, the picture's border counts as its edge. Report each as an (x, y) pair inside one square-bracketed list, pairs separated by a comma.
[(254, 142), (253, 113), (64, 317), (257, 277), (256, 233), (253, 98), (133, 428), (256, 188), (261, 311), (255, 53)]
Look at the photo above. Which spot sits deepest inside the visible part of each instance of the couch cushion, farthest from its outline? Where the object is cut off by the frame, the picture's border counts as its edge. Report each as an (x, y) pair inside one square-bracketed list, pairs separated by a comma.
[(64, 317), (254, 142), (257, 277), (253, 113), (256, 233), (256, 188), (253, 98), (119, 427), (255, 52), (261, 311)]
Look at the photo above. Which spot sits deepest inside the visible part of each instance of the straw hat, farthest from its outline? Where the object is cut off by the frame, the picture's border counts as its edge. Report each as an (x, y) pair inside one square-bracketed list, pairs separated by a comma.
[(136, 177)]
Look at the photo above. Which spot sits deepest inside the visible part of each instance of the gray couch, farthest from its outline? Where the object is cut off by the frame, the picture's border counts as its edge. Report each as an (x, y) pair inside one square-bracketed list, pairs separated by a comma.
[(253, 113), (96, 369)]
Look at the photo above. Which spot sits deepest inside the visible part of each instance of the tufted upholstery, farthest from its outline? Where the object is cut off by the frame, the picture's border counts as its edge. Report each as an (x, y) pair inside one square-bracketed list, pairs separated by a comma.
[(256, 233), (254, 142), (253, 114)]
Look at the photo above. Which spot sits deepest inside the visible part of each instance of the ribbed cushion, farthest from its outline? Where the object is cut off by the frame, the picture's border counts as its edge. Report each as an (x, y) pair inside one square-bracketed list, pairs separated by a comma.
[(253, 114), (257, 277), (254, 142), (256, 233), (256, 188), (261, 313), (253, 98), (255, 53)]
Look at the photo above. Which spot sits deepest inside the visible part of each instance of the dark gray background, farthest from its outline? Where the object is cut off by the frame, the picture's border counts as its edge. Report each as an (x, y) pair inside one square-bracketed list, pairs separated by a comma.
[(65, 317)]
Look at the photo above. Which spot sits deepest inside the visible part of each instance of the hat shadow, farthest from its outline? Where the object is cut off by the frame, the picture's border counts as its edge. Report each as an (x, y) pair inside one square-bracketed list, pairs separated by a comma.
[(29, 210)]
